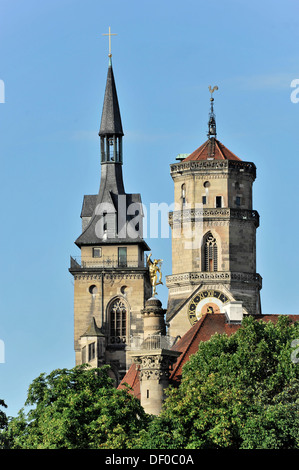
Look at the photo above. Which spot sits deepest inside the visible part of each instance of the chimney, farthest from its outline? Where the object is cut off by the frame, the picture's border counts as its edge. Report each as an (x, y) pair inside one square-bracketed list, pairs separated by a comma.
[(234, 312)]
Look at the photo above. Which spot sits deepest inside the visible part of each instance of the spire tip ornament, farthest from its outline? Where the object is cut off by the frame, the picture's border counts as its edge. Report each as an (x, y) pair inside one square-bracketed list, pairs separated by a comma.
[(109, 34), (212, 119)]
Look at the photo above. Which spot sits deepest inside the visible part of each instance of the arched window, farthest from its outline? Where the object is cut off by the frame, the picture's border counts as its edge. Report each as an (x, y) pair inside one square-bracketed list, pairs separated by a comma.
[(118, 321), (210, 253), (183, 194)]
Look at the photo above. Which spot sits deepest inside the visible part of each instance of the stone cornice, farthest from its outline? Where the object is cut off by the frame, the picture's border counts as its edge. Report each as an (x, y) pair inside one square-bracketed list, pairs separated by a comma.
[(206, 166), (155, 365), (192, 278), (111, 276), (225, 213)]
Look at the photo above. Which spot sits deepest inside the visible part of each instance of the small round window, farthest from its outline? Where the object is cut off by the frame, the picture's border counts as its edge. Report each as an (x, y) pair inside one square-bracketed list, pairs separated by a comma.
[(207, 184), (93, 289)]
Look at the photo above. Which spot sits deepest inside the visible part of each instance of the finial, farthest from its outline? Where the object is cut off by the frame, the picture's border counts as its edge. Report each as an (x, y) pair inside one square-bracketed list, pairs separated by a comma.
[(109, 34), (212, 120), (212, 91)]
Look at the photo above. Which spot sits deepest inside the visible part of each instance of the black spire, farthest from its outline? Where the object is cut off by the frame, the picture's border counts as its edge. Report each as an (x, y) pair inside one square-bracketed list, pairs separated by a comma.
[(111, 131), (212, 117), (212, 126)]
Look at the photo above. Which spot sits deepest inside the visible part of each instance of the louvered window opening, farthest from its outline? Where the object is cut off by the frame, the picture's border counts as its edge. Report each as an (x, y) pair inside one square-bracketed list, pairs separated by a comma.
[(210, 254), (118, 322)]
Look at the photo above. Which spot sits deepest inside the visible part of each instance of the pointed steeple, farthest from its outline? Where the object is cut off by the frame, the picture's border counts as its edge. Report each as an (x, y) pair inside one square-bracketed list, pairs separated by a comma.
[(111, 119), (108, 211)]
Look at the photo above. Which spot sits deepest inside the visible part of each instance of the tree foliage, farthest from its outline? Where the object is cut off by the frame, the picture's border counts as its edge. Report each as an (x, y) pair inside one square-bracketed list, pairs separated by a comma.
[(3, 424), (240, 391), (76, 408)]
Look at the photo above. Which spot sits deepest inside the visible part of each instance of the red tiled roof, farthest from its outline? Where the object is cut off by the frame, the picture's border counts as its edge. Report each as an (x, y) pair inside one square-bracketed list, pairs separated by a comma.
[(132, 379), (202, 330), (220, 152)]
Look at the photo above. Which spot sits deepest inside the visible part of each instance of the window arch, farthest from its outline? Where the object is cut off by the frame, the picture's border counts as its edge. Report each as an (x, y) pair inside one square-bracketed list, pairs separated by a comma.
[(117, 321), (183, 194), (210, 253)]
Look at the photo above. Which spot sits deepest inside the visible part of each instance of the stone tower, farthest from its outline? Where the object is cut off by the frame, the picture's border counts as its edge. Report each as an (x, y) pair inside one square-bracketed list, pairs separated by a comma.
[(213, 235), (111, 280)]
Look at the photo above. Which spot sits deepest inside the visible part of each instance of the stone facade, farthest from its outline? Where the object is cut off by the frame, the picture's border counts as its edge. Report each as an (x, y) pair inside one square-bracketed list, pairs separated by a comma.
[(99, 293), (116, 319), (111, 280), (213, 212)]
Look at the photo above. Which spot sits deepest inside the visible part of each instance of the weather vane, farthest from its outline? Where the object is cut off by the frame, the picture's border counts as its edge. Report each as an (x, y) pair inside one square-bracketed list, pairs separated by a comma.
[(109, 34), (212, 91)]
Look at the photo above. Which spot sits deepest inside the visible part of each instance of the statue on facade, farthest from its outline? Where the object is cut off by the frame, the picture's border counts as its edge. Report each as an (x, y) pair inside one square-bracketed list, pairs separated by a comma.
[(154, 270)]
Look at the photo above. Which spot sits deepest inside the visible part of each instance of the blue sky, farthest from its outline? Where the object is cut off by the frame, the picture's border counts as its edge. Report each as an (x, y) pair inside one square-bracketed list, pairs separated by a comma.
[(53, 62)]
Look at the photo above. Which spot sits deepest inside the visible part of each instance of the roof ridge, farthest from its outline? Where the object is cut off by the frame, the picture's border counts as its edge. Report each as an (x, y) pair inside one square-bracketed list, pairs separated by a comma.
[(219, 148), (204, 145)]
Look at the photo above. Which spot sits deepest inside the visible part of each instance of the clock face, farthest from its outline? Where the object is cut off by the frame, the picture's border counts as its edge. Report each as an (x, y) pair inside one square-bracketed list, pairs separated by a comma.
[(207, 301)]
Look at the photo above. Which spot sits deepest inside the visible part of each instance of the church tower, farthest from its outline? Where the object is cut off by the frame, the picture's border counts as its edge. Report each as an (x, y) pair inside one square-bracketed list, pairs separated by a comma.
[(111, 280), (213, 235)]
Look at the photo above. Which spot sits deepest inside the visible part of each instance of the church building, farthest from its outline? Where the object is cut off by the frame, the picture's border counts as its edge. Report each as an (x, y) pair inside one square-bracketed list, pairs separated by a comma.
[(118, 319), (111, 279)]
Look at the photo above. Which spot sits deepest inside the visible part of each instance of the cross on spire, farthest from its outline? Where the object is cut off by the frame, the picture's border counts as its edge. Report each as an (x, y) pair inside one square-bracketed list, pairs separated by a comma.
[(109, 34)]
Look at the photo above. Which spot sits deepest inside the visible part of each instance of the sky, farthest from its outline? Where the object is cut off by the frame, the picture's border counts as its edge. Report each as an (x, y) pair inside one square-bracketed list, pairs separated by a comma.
[(53, 68)]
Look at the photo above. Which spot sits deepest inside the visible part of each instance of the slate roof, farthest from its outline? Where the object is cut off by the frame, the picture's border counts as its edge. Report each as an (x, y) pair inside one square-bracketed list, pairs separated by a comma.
[(202, 330), (93, 329), (220, 152), (111, 119), (112, 196)]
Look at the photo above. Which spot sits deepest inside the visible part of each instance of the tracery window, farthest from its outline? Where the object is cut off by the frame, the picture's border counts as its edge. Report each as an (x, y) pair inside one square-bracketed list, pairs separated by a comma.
[(118, 321), (210, 253)]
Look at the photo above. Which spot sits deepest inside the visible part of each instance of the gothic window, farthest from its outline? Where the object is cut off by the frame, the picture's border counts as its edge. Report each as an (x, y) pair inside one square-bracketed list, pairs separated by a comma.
[(210, 253), (118, 321)]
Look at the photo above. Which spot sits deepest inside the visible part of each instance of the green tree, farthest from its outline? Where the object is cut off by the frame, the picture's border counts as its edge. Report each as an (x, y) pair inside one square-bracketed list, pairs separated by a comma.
[(76, 408), (3, 424), (236, 392)]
